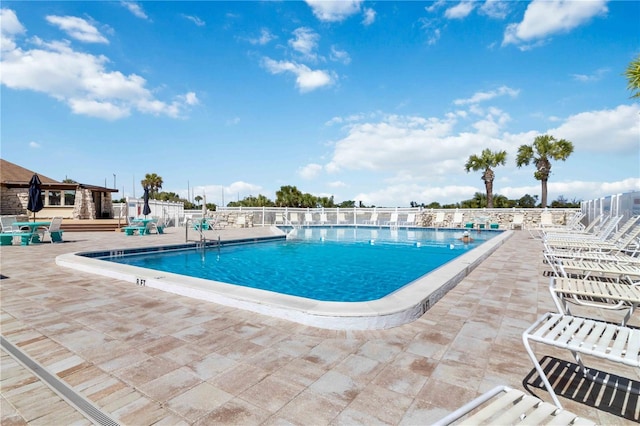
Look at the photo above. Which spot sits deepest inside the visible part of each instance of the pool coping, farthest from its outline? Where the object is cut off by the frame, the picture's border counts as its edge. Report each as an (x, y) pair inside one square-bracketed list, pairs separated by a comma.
[(400, 307)]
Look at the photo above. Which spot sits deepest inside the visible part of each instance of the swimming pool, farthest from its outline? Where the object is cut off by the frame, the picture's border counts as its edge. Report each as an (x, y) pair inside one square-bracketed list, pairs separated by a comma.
[(328, 264), (404, 303)]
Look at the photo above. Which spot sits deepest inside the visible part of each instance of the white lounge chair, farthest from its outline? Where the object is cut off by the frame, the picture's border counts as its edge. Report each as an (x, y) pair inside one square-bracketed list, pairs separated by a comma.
[(503, 405), (410, 221), (241, 221), (323, 218), (342, 219), (583, 336), (393, 220), (517, 221), (279, 219), (439, 219), (293, 218), (308, 219), (458, 217), (373, 220), (594, 293)]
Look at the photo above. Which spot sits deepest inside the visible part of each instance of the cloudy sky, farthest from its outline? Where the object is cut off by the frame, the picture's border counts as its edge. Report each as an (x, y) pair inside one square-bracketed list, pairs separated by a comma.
[(380, 102)]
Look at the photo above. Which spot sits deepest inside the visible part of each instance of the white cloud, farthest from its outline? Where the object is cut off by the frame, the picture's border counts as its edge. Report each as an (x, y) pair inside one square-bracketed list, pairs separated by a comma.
[(233, 121), (339, 55), (337, 184), (609, 130), (310, 171), (334, 11), (306, 79), (485, 96), (242, 189), (34, 145), (423, 159), (83, 82), (544, 18), (596, 76), (78, 28), (429, 27), (369, 16), (199, 22), (264, 38), (459, 11), (305, 41), (496, 9), (135, 8), (9, 23)]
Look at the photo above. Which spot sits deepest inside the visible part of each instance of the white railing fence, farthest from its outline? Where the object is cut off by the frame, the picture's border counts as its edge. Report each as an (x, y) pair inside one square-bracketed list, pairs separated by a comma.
[(175, 215), (626, 205)]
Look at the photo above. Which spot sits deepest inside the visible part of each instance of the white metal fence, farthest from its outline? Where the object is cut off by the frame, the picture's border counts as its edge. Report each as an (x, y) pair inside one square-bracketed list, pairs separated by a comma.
[(171, 212), (175, 214), (626, 205)]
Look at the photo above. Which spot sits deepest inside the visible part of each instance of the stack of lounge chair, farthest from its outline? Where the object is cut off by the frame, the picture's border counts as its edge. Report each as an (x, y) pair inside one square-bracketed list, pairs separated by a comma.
[(598, 268)]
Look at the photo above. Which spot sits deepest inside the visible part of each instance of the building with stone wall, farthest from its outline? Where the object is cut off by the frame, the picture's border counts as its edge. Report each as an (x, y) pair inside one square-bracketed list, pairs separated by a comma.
[(66, 200)]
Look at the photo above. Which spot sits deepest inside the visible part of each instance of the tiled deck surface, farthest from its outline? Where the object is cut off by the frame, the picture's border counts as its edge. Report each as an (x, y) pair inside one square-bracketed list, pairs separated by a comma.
[(148, 357)]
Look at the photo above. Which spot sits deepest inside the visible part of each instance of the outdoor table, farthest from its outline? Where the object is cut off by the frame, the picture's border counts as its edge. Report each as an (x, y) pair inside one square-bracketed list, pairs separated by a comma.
[(33, 226), (143, 223)]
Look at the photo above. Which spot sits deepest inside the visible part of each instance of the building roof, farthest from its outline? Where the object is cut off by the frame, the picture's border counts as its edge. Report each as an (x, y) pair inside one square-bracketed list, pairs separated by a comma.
[(14, 176), (13, 173)]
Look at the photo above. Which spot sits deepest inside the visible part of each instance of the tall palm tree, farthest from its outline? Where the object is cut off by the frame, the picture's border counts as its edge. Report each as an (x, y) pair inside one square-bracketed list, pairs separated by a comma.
[(633, 77), (485, 162), (153, 181), (544, 149)]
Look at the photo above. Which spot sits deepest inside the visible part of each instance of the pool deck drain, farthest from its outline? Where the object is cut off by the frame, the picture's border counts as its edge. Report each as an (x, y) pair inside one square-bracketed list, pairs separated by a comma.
[(144, 356)]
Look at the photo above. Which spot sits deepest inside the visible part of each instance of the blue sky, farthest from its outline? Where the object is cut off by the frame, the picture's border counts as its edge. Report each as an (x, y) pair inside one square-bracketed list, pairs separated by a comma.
[(380, 102)]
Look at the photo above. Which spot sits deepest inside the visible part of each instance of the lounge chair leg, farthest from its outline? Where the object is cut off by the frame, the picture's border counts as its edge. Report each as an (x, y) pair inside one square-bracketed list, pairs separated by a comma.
[(539, 369)]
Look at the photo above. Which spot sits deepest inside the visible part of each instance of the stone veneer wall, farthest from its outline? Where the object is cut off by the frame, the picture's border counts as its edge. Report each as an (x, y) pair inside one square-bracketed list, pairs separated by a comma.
[(503, 218), (84, 208), (13, 201)]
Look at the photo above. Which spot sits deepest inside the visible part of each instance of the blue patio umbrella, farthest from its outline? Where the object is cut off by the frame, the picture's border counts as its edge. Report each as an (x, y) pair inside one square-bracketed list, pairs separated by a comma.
[(35, 200), (146, 209)]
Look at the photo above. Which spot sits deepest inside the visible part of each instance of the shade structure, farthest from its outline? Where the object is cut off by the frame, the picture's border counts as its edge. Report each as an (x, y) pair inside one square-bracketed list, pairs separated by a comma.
[(35, 200), (146, 209)]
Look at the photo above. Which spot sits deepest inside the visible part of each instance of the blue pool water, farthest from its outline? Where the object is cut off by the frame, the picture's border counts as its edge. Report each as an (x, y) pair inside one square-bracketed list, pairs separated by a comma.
[(328, 264)]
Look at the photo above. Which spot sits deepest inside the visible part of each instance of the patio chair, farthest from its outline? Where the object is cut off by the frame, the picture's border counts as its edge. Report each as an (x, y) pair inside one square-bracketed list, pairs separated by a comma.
[(373, 220), (439, 219), (308, 219), (342, 219), (517, 221), (323, 218), (54, 230), (393, 220), (411, 220), (503, 405), (457, 220), (241, 221), (9, 231), (627, 243), (279, 219), (157, 226), (583, 336), (293, 218), (594, 293)]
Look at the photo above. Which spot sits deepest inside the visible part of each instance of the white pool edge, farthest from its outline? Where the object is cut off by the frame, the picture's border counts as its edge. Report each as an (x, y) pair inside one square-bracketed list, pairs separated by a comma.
[(401, 307)]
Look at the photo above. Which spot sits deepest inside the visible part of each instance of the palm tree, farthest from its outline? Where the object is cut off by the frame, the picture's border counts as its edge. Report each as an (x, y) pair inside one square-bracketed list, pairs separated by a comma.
[(153, 181), (633, 77), (198, 199), (544, 149), (485, 162)]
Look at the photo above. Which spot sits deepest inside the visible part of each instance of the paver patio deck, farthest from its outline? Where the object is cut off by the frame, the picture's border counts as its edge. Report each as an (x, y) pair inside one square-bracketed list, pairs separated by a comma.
[(145, 357)]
